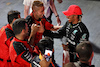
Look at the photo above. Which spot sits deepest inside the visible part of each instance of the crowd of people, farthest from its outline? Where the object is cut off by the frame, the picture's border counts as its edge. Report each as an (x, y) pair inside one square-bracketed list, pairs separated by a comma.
[(22, 44)]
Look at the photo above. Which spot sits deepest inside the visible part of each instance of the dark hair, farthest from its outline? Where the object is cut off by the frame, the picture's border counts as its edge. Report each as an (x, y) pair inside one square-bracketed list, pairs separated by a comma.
[(18, 25), (70, 64), (37, 4), (45, 43), (84, 50), (11, 15)]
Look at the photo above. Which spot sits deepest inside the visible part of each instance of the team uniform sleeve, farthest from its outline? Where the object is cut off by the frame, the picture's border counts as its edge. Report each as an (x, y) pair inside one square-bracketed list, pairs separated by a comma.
[(56, 34), (48, 26), (10, 35), (8, 41), (23, 57), (84, 37)]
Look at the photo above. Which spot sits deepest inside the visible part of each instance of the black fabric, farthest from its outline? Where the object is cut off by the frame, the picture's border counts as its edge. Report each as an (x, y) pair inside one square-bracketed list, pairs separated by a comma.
[(74, 33), (35, 61), (7, 60), (19, 47), (79, 64), (29, 22), (9, 33), (56, 34), (86, 65), (27, 56), (1, 59)]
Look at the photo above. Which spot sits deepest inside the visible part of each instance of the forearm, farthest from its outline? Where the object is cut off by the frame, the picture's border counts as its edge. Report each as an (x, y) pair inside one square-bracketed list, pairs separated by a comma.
[(55, 28), (52, 34), (31, 38), (53, 8), (26, 11)]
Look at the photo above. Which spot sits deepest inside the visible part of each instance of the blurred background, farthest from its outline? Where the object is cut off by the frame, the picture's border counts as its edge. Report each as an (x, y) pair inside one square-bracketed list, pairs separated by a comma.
[(91, 18)]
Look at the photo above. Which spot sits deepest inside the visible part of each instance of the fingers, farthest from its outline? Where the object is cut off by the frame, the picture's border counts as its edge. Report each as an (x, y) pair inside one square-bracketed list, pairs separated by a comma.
[(34, 28), (50, 61), (44, 62), (41, 28), (38, 28)]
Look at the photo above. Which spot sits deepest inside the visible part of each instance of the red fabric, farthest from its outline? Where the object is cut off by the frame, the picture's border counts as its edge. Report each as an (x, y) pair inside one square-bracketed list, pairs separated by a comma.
[(16, 59), (47, 26), (4, 47), (73, 10)]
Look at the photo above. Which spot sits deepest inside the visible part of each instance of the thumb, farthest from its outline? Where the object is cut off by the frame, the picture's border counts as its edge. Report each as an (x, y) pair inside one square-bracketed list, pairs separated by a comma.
[(50, 60)]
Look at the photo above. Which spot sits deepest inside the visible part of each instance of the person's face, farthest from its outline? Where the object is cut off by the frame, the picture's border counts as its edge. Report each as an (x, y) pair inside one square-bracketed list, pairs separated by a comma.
[(39, 12), (71, 18)]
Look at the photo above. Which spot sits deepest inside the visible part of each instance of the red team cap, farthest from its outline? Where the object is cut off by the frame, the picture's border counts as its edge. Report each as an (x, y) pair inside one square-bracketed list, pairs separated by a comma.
[(73, 10)]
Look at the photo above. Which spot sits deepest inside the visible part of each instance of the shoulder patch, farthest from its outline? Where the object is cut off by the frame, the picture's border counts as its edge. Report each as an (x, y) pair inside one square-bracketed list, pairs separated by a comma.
[(9, 33), (19, 47)]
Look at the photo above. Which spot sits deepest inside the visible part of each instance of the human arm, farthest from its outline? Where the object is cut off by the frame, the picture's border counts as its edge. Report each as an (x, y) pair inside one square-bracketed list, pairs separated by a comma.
[(27, 4), (49, 26), (26, 10), (53, 8), (83, 34), (84, 37), (34, 29), (56, 34), (55, 28)]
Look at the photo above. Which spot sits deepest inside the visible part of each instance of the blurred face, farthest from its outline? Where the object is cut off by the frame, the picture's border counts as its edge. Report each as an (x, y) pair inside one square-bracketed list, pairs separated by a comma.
[(71, 18), (39, 12)]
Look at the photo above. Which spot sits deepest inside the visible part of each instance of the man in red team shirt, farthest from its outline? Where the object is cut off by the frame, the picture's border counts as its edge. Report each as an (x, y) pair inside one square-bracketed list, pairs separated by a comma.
[(6, 35), (20, 50)]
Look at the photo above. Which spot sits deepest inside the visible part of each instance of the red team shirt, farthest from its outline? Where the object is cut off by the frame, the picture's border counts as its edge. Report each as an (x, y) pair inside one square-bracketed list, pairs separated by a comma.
[(20, 53), (6, 35), (47, 26)]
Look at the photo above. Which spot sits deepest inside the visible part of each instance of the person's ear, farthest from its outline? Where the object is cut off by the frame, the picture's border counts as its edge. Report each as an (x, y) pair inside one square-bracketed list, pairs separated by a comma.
[(23, 31), (77, 55)]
